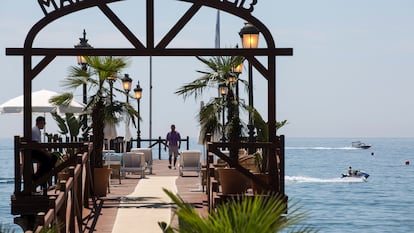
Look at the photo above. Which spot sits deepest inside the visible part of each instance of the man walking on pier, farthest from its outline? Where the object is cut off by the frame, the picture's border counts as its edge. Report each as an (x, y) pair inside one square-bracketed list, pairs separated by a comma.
[(173, 141)]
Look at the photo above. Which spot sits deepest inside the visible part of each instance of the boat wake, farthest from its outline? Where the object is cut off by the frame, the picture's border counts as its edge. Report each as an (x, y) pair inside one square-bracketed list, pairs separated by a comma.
[(321, 148), (6, 180), (303, 179)]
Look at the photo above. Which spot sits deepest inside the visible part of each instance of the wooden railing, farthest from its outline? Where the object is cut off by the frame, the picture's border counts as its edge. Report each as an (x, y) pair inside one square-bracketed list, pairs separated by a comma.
[(65, 208), (275, 157), (62, 206), (119, 143)]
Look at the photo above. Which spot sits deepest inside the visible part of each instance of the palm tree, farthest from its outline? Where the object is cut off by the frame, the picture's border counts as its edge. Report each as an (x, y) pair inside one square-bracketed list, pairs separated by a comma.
[(100, 108), (220, 69)]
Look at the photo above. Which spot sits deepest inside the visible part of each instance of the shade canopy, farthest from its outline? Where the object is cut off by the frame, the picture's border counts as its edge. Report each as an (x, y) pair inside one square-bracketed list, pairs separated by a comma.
[(40, 103), (110, 131), (128, 135)]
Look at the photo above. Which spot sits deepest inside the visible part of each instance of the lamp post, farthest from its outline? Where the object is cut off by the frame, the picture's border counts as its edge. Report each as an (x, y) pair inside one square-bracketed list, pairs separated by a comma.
[(249, 35), (234, 80), (83, 43), (138, 95), (237, 70), (126, 84), (111, 79), (223, 92)]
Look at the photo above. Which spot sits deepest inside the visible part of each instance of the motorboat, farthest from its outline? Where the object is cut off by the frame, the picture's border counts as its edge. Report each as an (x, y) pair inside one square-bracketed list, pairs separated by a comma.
[(356, 174), (360, 145)]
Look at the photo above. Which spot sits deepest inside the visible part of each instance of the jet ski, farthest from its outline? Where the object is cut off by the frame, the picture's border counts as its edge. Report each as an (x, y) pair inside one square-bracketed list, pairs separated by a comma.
[(356, 174)]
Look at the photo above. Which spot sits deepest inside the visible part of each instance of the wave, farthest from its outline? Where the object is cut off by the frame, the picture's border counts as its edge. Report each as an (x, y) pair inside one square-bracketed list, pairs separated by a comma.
[(6, 180), (304, 179), (321, 148)]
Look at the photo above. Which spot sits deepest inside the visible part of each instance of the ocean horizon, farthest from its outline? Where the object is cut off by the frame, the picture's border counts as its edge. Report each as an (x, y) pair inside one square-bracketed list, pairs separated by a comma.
[(382, 203)]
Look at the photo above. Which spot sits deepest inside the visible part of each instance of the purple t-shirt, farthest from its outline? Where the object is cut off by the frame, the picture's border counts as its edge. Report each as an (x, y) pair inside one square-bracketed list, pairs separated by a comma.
[(173, 137)]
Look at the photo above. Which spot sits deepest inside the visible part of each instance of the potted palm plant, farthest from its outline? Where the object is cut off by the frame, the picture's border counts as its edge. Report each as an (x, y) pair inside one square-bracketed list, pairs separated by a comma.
[(101, 110), (260, 157), (262, 175)]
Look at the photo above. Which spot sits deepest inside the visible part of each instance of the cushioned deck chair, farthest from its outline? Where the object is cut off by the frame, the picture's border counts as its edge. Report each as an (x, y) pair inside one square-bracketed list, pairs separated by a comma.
[(190, 161), (114, 162), (148, 156), (133, 162)]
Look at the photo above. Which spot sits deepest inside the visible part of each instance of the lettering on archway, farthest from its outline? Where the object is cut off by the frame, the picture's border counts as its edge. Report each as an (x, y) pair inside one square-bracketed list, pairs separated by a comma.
[(49, 6)]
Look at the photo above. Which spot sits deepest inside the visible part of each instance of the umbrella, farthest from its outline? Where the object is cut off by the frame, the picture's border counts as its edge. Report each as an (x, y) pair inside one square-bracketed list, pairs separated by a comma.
[(40, 103), (109, 134), (127, 136), (110, 131)]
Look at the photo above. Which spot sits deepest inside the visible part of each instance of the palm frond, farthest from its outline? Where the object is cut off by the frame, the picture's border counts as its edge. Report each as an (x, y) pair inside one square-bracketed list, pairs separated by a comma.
[(73, 82), (220, 68), (60, 123), (243, 214), (210, 119), (74, 124), (195, 88), (132, 113), (113, 111)]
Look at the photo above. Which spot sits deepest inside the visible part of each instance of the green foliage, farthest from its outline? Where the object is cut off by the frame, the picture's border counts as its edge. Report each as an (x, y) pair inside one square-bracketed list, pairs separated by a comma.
[(260, 161), (261, 126), (208, 117), (219, 69), (70, 124), (53, 228), (253, 214), (52, 137)]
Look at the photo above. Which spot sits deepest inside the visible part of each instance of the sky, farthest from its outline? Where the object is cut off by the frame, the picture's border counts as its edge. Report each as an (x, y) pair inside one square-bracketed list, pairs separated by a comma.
[(351, 73)]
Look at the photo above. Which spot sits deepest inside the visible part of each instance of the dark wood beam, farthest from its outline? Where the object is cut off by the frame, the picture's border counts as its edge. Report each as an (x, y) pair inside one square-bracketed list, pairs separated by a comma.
[(152, 52)]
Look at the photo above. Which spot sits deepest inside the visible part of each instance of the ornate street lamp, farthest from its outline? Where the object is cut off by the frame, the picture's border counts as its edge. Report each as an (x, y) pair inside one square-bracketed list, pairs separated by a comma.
[(127, 84), (249, 35), (138, 95), (83, 44), (237, 70), (223, 89), (231, 79)]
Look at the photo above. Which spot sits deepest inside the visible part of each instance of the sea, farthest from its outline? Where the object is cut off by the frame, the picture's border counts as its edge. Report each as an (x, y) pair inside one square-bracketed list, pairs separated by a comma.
[(383, 203)]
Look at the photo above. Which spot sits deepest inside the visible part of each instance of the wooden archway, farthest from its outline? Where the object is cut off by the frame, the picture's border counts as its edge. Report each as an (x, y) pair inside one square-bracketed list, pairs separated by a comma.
[(240, 8), (55, 9)]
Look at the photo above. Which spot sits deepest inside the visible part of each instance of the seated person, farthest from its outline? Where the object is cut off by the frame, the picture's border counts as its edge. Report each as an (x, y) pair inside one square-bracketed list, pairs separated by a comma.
[(45, 158), (350, 171)]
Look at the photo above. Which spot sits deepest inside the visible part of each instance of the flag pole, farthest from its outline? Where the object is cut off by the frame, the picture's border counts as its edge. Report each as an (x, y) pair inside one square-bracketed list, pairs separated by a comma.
[(217, 36)]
